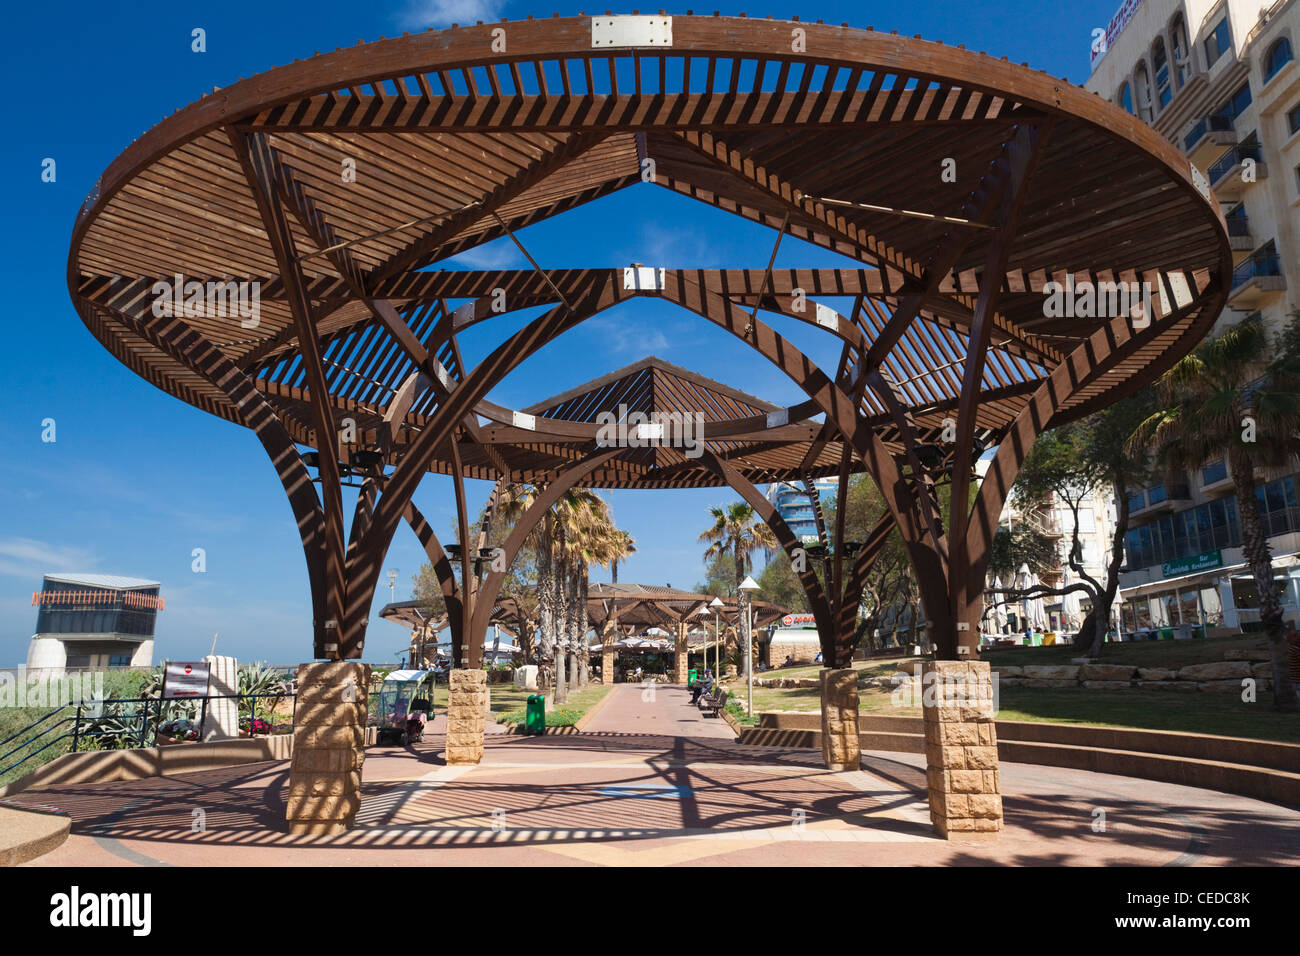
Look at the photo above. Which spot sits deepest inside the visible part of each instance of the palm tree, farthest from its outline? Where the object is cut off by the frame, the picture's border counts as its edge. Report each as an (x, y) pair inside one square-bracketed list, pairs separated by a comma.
[(737, 531), (1227, 400)]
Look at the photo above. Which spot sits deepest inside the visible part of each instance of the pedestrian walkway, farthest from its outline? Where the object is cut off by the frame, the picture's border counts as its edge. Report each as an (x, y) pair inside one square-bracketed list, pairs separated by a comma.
[(650, 784), (656, 709)]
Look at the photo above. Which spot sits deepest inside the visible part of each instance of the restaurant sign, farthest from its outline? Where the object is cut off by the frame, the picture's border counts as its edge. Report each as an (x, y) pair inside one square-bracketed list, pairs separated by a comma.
[(1196, 562), (798, 620)]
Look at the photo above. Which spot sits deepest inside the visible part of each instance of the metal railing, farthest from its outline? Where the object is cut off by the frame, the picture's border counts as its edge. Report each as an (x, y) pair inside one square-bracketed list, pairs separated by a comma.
[(1238, 224), (96, 720), (1255, 266), (1217, 124), (1229, 160)]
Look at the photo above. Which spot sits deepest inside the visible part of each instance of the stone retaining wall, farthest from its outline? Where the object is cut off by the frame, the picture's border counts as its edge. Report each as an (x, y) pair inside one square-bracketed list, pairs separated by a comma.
[(1215, 676)]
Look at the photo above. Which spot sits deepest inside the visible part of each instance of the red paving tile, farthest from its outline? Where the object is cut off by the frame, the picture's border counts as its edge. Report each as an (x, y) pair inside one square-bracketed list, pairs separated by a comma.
[(647, 785)]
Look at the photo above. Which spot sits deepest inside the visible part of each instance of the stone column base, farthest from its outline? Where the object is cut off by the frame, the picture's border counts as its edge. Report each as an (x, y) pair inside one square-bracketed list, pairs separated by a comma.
[(961, 750), (840, 747), (681, 666), (606, 666), (466, 719), (329, 728)]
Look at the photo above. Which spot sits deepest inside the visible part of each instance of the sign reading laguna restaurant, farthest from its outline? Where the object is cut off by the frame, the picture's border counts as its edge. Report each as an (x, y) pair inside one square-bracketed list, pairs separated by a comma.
[(1101, 41), (1196, 562)]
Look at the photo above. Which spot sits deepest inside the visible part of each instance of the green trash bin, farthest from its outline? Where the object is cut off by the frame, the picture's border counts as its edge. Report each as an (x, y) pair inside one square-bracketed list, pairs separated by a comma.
[(692, 677), (535, 715)]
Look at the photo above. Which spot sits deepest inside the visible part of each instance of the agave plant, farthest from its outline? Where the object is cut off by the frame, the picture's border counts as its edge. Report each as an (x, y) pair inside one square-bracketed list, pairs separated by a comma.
[(258, 679)]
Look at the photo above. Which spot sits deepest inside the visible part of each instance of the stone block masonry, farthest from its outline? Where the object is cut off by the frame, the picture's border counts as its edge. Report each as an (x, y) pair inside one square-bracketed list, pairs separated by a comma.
[(466, 717), (961, 750), (328, 747), (839, 691)]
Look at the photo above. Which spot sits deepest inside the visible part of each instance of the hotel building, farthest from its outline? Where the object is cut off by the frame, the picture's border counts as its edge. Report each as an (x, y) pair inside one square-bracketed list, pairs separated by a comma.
[(1219, 80)]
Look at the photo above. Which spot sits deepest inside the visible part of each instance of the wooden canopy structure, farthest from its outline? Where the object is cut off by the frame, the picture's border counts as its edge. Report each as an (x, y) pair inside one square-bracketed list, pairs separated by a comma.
[(270, 254), (629, 608)]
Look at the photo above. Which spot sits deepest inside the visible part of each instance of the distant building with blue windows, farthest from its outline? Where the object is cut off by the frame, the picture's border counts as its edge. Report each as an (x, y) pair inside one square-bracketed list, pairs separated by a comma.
[(794, 505)]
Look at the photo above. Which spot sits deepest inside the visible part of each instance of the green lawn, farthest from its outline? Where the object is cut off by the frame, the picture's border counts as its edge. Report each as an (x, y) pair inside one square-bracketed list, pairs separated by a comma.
[(1190, 711), (509, 702)]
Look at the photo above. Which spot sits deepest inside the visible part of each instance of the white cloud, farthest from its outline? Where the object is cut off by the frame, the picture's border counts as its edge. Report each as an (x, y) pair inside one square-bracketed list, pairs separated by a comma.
[(498, 254), (29, 558), (624, 333), (423, 14)]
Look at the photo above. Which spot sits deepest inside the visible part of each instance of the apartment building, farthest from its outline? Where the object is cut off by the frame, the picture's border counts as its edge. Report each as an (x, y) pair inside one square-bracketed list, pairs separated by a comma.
[(1055, 519), (793, 503), (1220, 80)]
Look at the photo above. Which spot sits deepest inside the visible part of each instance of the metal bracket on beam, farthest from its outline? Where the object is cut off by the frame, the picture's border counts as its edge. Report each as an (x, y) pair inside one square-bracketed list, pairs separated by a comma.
[(827, 317), (642, 278), (524, 421), (631, 32), (778, 418), (1201, 183)]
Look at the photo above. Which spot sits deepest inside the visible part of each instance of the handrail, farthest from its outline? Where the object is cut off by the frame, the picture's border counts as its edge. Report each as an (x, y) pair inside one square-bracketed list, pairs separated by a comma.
[(142, 714)]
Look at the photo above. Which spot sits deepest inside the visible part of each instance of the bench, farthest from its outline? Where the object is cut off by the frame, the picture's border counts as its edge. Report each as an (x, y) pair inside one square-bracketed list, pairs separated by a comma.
[(713, 705)]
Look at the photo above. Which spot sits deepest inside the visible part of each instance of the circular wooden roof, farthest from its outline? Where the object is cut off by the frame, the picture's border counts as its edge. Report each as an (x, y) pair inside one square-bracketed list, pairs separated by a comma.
[(838, 136)]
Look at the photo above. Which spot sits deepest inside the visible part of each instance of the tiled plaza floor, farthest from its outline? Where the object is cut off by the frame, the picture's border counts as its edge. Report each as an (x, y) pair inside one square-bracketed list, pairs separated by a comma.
[(651, 782)]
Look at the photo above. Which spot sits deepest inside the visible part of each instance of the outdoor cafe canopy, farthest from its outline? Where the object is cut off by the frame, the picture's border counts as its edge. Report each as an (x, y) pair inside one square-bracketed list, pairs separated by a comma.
[(312, 206)]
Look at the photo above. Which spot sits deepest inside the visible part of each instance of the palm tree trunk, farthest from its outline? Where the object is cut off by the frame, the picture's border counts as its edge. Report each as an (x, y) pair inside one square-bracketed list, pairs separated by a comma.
[(571, 622), (584, 659), (1097, 623), (1254, 542)]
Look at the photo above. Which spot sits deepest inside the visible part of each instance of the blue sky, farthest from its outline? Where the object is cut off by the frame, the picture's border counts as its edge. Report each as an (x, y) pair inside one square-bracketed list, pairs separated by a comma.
[(136, 480)]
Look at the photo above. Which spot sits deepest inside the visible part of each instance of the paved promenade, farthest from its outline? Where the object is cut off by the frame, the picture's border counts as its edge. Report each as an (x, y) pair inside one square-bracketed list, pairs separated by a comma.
[(652, 782)]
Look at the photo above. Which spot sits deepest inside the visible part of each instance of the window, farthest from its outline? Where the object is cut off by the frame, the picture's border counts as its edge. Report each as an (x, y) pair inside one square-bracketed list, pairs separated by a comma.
[(1144, 93), (1236, 104), (1160, 62), (1086, 523), (1218, 42), (1279, 55), (1214, 471), (1126, 97), (1178, 38), (1293, 119)]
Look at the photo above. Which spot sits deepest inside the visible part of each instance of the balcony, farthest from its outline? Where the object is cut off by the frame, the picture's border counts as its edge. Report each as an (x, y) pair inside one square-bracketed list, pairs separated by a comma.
[(1239, 237), (1228, 177), (1208, 138), (1164, 498), (1256, 280)]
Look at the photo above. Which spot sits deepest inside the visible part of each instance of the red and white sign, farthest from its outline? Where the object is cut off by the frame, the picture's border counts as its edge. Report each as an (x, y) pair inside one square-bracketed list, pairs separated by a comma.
[(185, 680), (794, 620)]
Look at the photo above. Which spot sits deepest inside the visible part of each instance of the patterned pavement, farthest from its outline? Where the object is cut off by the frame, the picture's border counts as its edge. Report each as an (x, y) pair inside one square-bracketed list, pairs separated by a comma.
[(651, 782)]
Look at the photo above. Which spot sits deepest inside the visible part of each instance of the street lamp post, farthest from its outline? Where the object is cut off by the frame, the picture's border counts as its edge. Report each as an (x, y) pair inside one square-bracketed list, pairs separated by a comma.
[(748, 586), (717, 641)]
